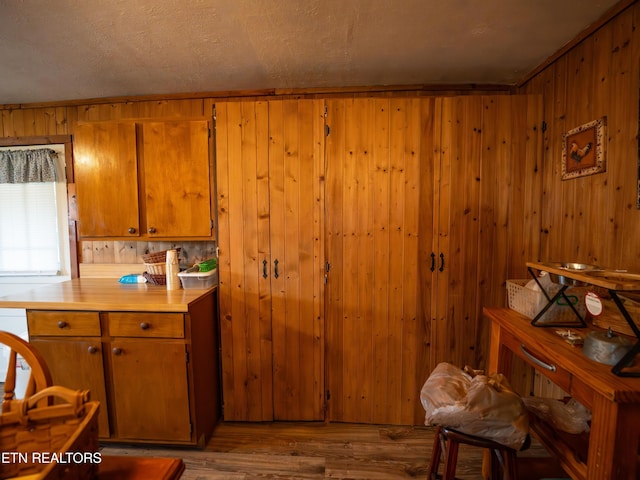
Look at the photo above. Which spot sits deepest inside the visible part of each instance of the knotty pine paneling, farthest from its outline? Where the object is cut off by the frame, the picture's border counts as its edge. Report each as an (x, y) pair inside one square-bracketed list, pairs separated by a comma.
[(127, 252), (592, 219)]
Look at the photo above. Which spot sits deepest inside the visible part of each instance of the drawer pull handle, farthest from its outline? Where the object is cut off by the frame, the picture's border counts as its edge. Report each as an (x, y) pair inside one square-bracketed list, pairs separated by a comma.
[(145, 326), (92, 349), (117, 351), (537, 361), (62, 324)]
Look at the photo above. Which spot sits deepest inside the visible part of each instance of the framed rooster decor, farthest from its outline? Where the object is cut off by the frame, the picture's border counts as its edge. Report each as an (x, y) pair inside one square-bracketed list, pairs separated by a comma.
[(583, 150)]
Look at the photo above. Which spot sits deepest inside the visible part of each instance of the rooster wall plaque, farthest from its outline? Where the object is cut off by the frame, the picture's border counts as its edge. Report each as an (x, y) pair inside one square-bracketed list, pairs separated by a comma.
[(583, 150)]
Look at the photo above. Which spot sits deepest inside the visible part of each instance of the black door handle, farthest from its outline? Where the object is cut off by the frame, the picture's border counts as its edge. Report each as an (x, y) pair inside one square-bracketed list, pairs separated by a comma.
[(433, 261), (275, 268), (441, 262), (264, 269)]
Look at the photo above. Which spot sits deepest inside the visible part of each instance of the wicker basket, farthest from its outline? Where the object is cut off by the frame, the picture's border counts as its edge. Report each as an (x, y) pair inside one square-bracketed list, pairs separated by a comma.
[(50, 442), (156, 268), (155, 279), (157, 257)]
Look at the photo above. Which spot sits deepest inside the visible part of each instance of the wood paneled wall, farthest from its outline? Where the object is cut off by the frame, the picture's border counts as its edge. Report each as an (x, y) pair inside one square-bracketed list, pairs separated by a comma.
[(590, 219)]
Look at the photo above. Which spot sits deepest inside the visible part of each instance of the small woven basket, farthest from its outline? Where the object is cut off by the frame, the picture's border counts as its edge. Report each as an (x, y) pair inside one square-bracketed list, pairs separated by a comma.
[(156, 257), (51, 441), (156, 268), (155, 279)]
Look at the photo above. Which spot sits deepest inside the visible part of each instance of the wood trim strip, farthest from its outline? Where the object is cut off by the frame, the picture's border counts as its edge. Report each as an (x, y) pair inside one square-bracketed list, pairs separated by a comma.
[(274, 93), (37, 140)]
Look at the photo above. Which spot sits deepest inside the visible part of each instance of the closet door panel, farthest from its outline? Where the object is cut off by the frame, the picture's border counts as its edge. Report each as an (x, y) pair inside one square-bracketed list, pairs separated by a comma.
[(295, 170), (455, 324), (376, 152), (243, 238)]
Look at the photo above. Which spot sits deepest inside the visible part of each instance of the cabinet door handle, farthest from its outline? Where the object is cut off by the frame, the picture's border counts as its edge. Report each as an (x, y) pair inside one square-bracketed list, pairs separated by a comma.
[(264, 268), (537, 361), (441, 262), (145, 326), (62, 324), (275, 268), (433, 261), (92, 349), (152, 230), (131, 230), (117, 351)]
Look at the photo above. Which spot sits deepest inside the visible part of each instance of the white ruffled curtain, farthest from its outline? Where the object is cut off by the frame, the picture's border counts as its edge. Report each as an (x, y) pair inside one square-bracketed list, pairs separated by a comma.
[(26, 166)]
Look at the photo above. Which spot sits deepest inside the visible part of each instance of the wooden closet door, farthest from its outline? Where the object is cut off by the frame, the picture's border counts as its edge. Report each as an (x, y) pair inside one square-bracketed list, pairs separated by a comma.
[(486, 145), (242, 165), (296, 161), (458, 175), (269, 173), (379, 232)]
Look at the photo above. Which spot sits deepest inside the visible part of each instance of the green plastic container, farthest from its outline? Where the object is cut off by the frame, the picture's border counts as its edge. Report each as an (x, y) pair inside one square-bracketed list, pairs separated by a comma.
[(207, 265)]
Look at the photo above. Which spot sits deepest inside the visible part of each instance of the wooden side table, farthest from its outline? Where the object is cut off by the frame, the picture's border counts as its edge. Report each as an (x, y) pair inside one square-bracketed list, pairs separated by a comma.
[(613, 442)]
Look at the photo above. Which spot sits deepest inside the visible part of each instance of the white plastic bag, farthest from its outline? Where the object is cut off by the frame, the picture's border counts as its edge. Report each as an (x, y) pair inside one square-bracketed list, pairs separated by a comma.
[(480, 405), (570, 417)]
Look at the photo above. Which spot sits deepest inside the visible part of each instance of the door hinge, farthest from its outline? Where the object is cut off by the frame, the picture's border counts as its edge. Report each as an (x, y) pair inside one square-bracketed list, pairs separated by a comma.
[(186, 354), (326, 111), (543, 127), (214, 113), (327, 267), (327, 395), (327, 130)]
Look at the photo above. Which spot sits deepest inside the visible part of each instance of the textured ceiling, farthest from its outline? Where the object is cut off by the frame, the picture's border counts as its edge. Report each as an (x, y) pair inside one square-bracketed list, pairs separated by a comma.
[(76, 49)]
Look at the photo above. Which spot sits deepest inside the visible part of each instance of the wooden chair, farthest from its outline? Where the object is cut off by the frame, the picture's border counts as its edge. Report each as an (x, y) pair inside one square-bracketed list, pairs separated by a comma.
[(39, 378), (503, 459)]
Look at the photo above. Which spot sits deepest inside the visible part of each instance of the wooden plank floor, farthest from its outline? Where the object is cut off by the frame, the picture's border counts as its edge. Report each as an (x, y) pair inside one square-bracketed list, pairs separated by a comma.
[(244, 451)]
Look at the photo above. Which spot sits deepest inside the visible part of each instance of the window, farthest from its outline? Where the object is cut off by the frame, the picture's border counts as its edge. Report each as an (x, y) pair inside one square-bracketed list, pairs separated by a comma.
[(34, 237)]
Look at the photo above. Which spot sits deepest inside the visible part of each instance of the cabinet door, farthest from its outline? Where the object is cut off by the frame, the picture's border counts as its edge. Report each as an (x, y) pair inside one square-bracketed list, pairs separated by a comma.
[(177, 198), (296, 167), (106, 176), (269, 171), (244, 266), (150, 390), (77, 363), (458, 170), (379, 204), (485, 142)]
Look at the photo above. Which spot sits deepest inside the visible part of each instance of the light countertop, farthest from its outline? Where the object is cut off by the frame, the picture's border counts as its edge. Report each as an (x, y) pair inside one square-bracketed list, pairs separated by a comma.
[(105, 294)]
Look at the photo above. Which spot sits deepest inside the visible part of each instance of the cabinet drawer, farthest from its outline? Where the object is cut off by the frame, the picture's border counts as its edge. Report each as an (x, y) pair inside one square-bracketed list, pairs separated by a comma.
[(157, 325), (63, 323), (539, 361)]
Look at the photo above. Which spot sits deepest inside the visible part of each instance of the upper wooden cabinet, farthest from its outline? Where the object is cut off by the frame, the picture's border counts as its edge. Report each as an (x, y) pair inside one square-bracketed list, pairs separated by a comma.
[(143, 179)]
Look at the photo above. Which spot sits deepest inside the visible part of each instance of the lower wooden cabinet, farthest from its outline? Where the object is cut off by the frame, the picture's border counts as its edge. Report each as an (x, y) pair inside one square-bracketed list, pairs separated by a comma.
[(156, 408), (155, 374), (77, 363)]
